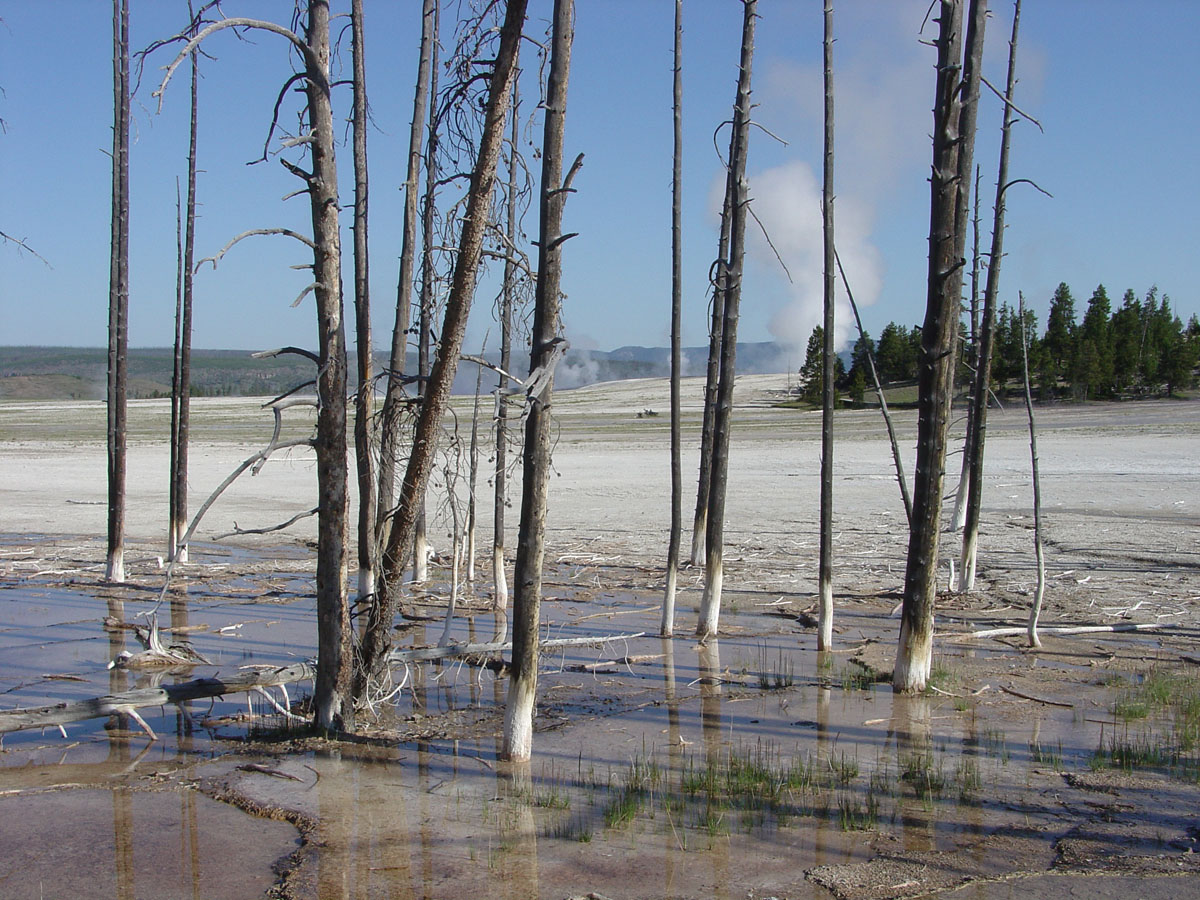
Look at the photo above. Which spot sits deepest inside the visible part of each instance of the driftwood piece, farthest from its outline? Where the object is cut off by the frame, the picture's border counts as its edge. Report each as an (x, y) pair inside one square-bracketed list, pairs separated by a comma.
[(128, 701), (1070, 629)]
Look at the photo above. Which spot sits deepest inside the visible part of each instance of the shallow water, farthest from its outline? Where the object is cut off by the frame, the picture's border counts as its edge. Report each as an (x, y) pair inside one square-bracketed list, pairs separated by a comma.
[(634, 790)]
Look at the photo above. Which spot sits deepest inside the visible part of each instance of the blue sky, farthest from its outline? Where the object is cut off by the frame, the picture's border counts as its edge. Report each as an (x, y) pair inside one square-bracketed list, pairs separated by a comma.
[(1113, 83)]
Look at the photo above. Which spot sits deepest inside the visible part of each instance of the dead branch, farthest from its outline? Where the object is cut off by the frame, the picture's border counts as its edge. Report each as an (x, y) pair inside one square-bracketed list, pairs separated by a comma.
[(287, 232), (270, 529), (1016, 693), (280, 351), (1007, 102), (1069, 629), (304, 293), (9, 239), (310, 58), (299, 76)]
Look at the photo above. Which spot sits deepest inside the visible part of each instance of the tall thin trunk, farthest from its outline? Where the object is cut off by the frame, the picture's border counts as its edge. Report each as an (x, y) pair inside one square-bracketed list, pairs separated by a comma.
[(668, 610), (828, 389), (971, 350), (118, 296), (979, 406), (333, 707), (377, 640), (507, 297), (953, 139), (180, 472), (710, 607), (473, 474), (172, 500), (712, 376), (393, 402), (1035, 610), (527, 576), (425, 312), (364, 397)]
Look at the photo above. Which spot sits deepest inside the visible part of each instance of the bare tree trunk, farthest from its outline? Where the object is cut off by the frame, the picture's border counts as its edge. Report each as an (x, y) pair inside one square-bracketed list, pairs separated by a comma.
[(377, 640), (828, 389), (364, 397), (473, 474), (953, 138), (711, 379), (118, 296), (971, 350), (710, 605), (182, 386), (979, 405), (393, 402), (332, 701), (527, 576), (1036, 609), (425, 313), (499, 581), (668, 610)]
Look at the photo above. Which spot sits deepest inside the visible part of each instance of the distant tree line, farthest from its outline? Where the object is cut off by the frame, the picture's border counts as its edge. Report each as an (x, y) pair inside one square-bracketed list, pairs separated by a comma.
[(1139, 349)]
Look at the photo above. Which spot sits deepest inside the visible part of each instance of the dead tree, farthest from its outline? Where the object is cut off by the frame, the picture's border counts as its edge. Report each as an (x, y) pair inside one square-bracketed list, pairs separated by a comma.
[(958, 517), (181, 382), (1035, 609), (977, 430), (953, 140), (828, 388), (394, 399), (737, 200), (548, 345), (425, 299), (332, 695), (377, 639), (507, 300), (364, 395), (118, 296), (668, 610)]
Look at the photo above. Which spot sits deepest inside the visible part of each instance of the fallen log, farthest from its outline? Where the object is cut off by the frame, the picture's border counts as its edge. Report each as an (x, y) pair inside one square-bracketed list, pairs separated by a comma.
[(128, 702), (1070, 629)]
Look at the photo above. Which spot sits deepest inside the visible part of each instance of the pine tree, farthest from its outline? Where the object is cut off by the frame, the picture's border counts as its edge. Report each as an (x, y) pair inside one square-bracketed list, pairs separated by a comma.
[(1096, 347), (1060, 333)]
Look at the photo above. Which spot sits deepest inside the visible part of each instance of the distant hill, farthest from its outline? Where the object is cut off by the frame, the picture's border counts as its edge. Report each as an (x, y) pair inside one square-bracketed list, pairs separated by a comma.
[(79, 373)]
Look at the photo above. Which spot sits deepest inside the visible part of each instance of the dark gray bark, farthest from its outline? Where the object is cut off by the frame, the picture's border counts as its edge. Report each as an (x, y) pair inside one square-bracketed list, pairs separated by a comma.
[(668, 611), (332, 700), (828, 389), (953, 139), (393, 403), (977, 432), (377, 640), (181, 385), (118, 296), (722, 420), (546, 340), (364, 395)]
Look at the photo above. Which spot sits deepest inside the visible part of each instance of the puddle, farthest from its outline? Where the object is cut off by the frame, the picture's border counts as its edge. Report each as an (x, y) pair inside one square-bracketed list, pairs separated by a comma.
[(661, 768)]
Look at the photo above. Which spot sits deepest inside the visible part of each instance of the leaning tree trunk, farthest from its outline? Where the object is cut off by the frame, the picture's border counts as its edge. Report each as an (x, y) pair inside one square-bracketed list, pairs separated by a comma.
[(507, 295), (182, 387), (393, 402), (668, 610), (332, 700), (425, 313), (710, 604), (953, 138), (364, 397), (546, 348), (828, 389), (377, 640), (979, 407), (118, 296)]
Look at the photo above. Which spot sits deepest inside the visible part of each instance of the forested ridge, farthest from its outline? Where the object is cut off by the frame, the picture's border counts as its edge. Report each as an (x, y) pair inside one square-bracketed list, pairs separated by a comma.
[(1137, 348)]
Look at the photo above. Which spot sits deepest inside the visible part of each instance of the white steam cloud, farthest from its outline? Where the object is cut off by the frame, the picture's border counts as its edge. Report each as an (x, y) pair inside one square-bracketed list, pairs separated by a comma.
[(787, 200)]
